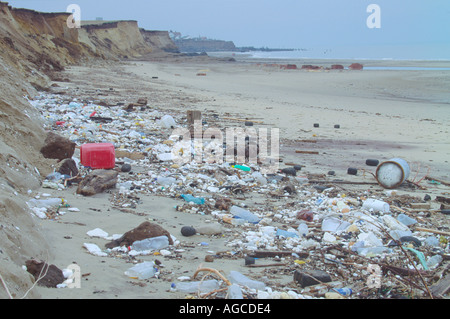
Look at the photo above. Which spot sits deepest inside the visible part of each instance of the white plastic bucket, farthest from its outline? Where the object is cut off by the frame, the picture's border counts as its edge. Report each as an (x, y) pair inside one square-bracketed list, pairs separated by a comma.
[(391, 174)]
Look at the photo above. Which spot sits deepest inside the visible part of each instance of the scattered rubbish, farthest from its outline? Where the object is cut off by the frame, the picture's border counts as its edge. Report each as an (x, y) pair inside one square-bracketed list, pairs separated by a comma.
[(298, 223)]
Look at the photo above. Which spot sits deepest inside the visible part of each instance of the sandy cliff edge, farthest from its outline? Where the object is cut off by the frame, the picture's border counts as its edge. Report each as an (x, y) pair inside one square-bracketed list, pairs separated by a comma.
[(35, 47)]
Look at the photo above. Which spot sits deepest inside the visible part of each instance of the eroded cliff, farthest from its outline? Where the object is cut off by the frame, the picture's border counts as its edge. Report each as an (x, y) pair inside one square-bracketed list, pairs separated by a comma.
[(34, 47)]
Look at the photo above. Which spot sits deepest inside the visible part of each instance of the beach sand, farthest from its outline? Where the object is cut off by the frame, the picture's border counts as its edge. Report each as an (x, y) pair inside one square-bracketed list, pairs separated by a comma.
[(382, 114)]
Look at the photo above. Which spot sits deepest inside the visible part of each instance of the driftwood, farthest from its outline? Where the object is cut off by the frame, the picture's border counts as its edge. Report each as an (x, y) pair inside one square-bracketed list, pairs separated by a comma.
[(306, 152), (199, 269), (265, 253), (434, 231)]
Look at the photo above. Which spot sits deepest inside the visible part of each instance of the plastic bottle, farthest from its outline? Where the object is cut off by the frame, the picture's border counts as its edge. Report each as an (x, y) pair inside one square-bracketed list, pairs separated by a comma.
[(153, 243), (404, 219), (286, 234), (343, 291), (434, 261), (165, 181), (235, 292), (242, 168), (204, 286), (196, 200), (41, 203), (376, 205), (209, 229), (236, 277), (56, 176), (303, 230), (244, 214), (142, 271), (259, 178), (332, 224), (168, 122)]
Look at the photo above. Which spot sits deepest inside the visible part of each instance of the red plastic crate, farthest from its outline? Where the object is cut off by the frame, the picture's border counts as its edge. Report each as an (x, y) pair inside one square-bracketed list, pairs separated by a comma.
[(98, 155)]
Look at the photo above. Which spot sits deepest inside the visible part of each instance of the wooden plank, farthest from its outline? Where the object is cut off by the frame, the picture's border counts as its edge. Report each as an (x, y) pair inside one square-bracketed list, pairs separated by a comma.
[(307, 152), (442, 287), (434, 231)]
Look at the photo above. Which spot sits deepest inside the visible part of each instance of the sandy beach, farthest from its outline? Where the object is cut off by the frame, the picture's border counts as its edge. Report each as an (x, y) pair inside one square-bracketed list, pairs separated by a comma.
[(381, 114)]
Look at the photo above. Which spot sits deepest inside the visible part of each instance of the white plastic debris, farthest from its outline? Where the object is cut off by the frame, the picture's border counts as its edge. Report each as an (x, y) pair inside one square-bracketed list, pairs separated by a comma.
[(97, 232), (94, 250)]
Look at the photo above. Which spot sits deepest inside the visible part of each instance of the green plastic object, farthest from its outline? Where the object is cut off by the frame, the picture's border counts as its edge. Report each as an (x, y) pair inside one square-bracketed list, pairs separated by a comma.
[(196, 200), (421, 257), (243, 168)]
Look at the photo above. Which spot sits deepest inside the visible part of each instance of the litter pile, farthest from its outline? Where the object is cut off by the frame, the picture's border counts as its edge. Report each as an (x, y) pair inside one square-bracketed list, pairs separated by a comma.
[(332, 242)]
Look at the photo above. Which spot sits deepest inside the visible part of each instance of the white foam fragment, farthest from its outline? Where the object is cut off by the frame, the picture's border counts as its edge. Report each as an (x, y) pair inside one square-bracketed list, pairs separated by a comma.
[(94, 250)]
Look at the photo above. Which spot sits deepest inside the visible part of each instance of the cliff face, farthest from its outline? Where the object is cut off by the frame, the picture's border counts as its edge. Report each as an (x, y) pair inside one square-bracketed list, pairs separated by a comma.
[(34, 47), (118, 39), (159, 41)]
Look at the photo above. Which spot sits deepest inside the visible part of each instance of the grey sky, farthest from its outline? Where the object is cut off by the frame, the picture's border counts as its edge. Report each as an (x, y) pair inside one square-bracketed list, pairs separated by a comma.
[(281, 23)]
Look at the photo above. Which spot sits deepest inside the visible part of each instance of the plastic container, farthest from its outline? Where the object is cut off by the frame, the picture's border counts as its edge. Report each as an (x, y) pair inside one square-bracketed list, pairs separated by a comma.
[(391, 174), (285, 233), (167, 121), (244, 214), (209, 229), (203, 286), (142, 271), (376, 205), (236, 277), (343, 291), (303, 230), (332, 224), (242, 168), (165, 181), (235, 292), (45, 203), (196, 200), (98, 155), (405, 219), (153, 243)]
